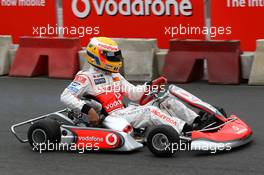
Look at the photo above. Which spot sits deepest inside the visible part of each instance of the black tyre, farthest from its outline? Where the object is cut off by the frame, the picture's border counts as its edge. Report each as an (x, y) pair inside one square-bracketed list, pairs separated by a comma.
[(160, 140), (44, 135)]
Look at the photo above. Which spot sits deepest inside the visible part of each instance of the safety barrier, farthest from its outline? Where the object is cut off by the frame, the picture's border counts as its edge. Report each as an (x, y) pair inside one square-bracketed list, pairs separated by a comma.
[(247, 59), (5, 43), (57, 57), (138, 58), (184, 61), (257, 71), (83, 63), (159, 62), (12, 53)]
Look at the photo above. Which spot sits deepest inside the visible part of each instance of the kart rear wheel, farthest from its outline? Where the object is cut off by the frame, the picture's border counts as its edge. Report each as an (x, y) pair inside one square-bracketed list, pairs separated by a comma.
[(44, 135), (160, 140)]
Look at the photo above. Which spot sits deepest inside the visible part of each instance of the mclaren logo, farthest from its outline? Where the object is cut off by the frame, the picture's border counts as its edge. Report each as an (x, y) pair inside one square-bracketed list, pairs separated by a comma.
[(111, 139), (133, 7)]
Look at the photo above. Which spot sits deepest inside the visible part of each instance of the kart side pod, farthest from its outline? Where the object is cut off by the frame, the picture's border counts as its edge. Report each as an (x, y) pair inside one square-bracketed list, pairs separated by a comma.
[(56, 131)]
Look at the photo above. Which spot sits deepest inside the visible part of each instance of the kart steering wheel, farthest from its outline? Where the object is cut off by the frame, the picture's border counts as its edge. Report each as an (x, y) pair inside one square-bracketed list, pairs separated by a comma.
[(148, 96)]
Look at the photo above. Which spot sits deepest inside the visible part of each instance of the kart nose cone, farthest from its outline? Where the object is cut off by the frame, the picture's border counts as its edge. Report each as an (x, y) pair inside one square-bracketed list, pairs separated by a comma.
[(233, 134), (234, 129)]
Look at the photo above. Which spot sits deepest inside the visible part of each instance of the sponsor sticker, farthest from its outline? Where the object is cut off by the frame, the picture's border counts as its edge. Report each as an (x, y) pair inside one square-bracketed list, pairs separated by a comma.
[(164, 117), (80, 79), (99, 81), (98, 76), (111, 139), (116, 79), (91, 139), (74, 87)]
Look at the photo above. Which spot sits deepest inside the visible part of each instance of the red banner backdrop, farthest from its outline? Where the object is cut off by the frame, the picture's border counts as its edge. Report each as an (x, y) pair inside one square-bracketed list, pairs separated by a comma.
[(244, 17), (24, 18), (135, 19)]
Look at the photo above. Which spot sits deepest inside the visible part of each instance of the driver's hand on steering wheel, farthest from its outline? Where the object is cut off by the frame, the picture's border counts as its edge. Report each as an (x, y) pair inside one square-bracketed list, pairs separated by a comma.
[(92, 115)]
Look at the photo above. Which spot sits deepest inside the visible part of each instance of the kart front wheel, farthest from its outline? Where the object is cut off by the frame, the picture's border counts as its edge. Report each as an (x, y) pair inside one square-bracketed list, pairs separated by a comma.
[(160, 140), (44, 135)]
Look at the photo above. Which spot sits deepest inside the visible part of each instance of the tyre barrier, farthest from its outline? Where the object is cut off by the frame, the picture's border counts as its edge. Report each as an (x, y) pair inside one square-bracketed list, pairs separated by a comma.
[(138, 58), (185, 61), (5, 44), (57, 57), (257, 72)]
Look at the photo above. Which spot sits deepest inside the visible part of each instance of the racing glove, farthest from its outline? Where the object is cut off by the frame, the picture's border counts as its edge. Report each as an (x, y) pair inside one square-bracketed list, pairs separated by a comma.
[(93, 117)]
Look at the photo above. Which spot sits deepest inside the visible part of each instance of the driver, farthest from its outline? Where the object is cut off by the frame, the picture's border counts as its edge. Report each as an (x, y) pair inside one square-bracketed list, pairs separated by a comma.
[(100, 90)]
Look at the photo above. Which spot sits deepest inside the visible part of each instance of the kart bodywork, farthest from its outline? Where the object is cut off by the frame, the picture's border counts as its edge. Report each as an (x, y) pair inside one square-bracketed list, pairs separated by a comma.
[(225, 133), (94, 138), (229, 133)]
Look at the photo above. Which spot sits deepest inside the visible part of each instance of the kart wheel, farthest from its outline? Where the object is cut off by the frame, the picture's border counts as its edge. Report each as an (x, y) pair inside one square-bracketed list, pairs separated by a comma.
[(44, 135), (160, 138)]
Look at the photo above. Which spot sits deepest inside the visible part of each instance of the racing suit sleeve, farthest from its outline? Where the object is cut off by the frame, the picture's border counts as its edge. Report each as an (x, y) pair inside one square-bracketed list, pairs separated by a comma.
[(72, 95), (133, 93)]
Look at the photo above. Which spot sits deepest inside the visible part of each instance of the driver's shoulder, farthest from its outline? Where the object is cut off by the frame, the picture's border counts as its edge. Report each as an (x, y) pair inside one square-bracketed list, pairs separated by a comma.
[(87, 73)]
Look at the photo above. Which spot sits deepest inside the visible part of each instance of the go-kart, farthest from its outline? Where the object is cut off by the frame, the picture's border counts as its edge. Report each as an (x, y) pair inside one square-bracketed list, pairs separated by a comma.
[(67, 127)]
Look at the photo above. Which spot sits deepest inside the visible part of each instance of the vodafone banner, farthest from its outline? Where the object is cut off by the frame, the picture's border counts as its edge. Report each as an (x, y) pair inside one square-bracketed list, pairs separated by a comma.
[(27, 18), (244, 19), (161, 19)]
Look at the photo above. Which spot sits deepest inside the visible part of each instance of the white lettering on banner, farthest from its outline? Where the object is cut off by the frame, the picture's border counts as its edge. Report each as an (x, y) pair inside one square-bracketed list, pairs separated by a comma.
[(39, 3), (135, 7), (244, 3)]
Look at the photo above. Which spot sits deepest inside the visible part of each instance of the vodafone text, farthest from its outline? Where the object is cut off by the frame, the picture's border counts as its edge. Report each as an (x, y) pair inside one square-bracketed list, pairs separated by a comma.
[(133, 7)]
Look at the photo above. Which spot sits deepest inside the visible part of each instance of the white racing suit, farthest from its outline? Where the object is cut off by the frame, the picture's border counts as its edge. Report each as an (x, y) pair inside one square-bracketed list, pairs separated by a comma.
[(109, 89)]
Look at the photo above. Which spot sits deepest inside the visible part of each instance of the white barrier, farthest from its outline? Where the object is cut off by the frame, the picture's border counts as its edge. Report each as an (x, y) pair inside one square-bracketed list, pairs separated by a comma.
[(159, 62), (138, 58), (257, 71), (83, 63), (247, 59), (5, 43), (12, 53)]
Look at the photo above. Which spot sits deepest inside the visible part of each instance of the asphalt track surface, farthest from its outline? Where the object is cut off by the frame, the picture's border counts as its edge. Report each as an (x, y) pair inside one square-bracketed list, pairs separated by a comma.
[(24, 98)]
